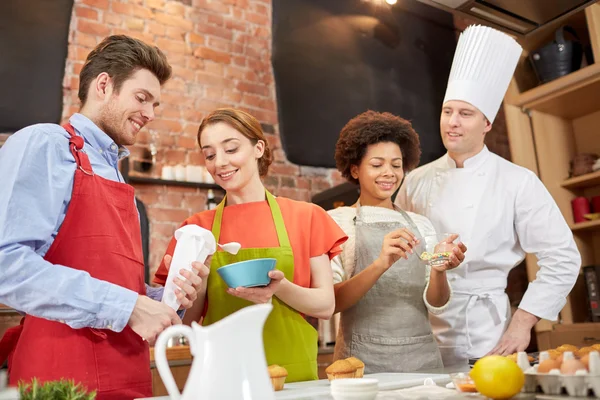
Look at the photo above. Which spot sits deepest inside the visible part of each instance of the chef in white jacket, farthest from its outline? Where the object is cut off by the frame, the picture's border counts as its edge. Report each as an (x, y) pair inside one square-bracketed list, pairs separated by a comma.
[(501, 211)]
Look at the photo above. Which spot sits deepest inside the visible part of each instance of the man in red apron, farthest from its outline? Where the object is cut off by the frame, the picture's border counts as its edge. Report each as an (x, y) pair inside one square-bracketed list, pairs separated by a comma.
[(81, 283)]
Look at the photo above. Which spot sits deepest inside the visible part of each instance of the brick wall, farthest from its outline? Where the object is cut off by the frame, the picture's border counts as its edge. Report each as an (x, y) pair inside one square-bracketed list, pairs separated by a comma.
[(220, 51)]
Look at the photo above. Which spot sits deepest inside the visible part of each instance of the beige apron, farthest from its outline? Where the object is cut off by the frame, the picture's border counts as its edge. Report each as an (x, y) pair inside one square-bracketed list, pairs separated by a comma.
[(388, 329)]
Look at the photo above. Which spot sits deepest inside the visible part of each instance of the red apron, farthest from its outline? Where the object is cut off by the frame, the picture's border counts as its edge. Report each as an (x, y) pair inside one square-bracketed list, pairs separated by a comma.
[(101, 235)]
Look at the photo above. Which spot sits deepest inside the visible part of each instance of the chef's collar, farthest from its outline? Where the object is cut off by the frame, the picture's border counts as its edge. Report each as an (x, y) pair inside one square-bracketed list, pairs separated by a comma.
[(473, 162), (97, 138)]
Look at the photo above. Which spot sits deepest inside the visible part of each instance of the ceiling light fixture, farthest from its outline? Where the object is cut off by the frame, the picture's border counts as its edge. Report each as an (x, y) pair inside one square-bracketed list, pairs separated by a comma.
[(391, 2)]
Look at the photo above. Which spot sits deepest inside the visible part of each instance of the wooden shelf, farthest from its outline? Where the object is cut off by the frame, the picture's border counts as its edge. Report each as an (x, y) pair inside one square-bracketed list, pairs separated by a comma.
[(155, 181), (570, 96), (583, 181), (586, 226)]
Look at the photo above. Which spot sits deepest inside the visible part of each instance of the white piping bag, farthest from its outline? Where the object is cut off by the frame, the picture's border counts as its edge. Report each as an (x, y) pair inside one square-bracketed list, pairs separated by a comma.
[(193, 244)]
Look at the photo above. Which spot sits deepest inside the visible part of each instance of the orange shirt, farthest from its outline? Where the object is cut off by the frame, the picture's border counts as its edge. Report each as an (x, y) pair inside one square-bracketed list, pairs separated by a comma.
[(312, 232)]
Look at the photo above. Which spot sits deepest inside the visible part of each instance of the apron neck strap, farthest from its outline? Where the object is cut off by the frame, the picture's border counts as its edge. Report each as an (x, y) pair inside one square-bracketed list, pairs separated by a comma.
[(282, 236)]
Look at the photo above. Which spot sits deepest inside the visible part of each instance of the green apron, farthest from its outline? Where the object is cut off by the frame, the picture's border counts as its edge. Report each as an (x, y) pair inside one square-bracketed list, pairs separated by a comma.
[(289, 340)]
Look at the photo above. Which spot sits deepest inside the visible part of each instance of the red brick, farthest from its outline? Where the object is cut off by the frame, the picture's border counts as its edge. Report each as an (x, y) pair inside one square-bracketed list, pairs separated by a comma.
[(171, 20), (175, 156), (85, 40), (84, 12), (191, 130), (157, 4), (214, 31), (93, 28), (176, 33), (217, 56), (196, 39), (184, 73), (131, 9), (155, 28), (262, 32), (214, 93), (214, 68), (147, 197), (168, 111), (207, 105), (176, 85), (196, 203), (135, 24), (212, 5), (101, 4), (251, 76), (77, 66), (215, 20), (167, 214), (164, 229), (172, 46), (252, 100), (196, 157), (219, 44), (74, 83), (171, 199), (175, 8), (239, 60), (213, 80), (166, 139), (238, 13), (284, 169), (194, 63), (258, 65), (258, 19), (144, 37), (110, 18), (193, 115), (165, 125), (260, 9), (242, 4), (187, 142), (236, 25), (253, 88), (232, 97), (237, 48)]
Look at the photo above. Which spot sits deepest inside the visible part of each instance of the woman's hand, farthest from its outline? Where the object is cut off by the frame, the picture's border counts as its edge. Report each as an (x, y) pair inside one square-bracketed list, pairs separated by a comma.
[(397, 244), (260, 295), (457, 256), (189, 287)]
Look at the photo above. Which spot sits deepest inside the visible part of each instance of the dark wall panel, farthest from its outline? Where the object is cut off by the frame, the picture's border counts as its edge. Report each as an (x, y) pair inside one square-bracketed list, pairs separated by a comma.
[(337, 58), (33, 50)]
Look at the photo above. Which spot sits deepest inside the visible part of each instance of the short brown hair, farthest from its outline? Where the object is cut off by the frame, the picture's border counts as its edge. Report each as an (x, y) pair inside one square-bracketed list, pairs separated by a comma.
[(245, 124), (372, 127), (121, 56)]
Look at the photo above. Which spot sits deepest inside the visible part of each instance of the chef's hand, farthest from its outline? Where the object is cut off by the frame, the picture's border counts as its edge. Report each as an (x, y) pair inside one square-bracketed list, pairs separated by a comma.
[(517, 336), (260, 295), (191, 285), (457, 256), (397, 244), (149, 318)]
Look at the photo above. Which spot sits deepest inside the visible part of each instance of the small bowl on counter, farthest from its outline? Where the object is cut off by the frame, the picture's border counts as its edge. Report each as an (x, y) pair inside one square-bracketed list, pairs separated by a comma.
[(354, 389)]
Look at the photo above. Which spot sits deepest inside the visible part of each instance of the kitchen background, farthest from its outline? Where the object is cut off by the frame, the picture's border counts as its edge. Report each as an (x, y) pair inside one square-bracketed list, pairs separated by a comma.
[(221, 53)]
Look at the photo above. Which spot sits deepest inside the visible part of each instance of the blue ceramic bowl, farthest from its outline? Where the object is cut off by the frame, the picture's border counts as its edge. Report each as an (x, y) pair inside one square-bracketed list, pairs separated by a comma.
[(249, 273)]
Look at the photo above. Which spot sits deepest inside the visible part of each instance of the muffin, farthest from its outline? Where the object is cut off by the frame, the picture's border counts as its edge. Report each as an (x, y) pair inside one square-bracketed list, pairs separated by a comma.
[(515, 357), (359, 365), (278, 375), (340, 369), (583, 351), (596, 347), (554, 354), (567, 347)]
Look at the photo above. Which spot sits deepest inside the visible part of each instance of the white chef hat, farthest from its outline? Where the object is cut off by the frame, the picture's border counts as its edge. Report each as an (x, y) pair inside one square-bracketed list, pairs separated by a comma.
[(484, 62)]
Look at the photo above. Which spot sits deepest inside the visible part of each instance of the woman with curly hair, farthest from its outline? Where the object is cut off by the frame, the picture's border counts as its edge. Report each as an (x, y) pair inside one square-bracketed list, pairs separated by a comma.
[(299, 235), (382, 288)]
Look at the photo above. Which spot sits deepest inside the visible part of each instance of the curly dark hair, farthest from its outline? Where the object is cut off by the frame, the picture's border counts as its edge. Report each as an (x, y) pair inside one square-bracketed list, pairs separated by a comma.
[(373, 127)]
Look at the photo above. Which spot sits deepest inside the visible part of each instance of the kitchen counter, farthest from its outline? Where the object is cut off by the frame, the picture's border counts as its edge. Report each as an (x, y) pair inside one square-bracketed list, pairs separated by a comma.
[(391, 386)]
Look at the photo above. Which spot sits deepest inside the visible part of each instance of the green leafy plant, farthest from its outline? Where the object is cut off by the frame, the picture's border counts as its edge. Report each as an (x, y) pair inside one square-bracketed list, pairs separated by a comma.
[(54, 390)]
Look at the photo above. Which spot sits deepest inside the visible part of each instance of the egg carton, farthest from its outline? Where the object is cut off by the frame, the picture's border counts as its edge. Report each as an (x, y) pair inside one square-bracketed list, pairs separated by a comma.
[(552, 383)]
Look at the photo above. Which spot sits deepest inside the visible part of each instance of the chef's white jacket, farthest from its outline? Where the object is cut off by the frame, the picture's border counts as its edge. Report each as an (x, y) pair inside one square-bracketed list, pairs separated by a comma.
[(501, 212)]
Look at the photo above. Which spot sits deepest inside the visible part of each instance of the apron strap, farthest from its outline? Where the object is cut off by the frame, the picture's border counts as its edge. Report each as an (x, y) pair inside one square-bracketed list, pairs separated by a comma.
[(76, 146), (282, 236)]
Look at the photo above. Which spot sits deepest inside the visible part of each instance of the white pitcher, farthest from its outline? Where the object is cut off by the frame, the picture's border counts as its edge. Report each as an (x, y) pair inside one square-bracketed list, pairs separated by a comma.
[(229, 358)]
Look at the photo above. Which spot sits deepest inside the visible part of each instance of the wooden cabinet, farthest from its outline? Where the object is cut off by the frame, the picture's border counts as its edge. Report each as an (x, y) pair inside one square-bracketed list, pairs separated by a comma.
[(180, 361), (548, 125)]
